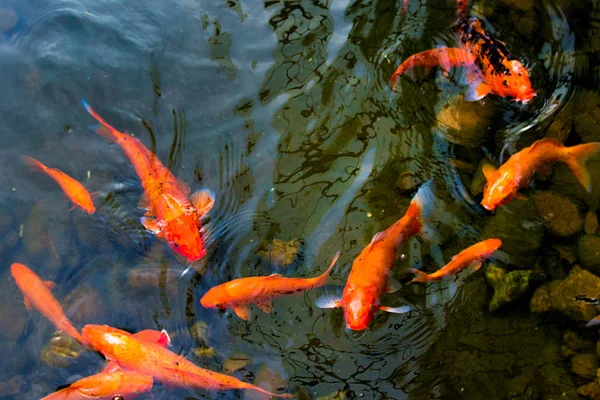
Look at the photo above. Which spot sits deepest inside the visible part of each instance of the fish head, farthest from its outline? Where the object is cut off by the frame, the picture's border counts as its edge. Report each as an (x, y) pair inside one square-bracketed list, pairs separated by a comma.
[(499, 191), (184, 237), (105, 339), (492, 245), (360, 307), (214, 298), (515, 83)]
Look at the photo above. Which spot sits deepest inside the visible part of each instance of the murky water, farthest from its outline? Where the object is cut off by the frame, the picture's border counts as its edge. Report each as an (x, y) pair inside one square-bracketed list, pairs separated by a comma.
[(282, 109)]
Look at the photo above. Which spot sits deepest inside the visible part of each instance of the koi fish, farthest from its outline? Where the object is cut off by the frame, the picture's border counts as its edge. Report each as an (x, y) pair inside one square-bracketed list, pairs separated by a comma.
[(261, 290), (74, 190), (368, 278), (471, 256), (37, 294), (503, 184), (105, 386), (147, 335), (170, 214), (491, 66), (169, 368)]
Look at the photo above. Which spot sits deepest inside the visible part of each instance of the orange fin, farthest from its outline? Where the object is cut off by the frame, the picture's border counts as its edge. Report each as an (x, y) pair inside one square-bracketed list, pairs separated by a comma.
[(49, 284), (521, 197), (476, 265), (488, 171), (34, 164), (477, 91), (243, 312), (144, 203), (265, 306), (152, 224), (28, 304), (419, 275), (396, 310), (577, 156), (203, 201)]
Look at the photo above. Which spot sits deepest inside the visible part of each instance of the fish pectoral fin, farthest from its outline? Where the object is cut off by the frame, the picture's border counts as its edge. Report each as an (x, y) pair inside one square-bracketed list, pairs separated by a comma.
[(488, 171), (152, 224), (593, 322), (476, 265), (265, 306), (164, 339), (203, 201), (276, 276), (243, 312), (49, 284), (395, 310), (144, 203), (28, 304), (521, 197), (392, 285), (110, 367), (477, 91), (328, 301)]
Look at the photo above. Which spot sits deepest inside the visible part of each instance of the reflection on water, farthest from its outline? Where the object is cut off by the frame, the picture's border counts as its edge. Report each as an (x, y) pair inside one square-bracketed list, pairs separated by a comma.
[(282, 109)]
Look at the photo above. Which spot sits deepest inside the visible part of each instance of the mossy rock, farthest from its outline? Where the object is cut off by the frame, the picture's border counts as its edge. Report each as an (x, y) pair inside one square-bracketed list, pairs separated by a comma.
[(561, 216), (507, 286), (585, 365), (589, 253), (590, 223), (559, 296), (590, 391)]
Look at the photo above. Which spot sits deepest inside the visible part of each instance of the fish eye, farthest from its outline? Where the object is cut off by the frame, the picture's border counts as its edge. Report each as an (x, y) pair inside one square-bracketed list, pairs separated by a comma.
[(118, 397), (505, 82)]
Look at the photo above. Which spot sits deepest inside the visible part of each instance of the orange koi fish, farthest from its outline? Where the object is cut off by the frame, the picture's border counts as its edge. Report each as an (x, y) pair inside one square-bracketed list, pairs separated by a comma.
[(37, 294), (147, 335), (503, 184), (74, 190), (170, 214), (172, 369), (471, 256), (261, 290), (368, 278), (105, 386), (492, 68)]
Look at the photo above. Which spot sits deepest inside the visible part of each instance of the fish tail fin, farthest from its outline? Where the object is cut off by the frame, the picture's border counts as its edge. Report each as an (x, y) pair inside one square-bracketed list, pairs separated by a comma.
[(576, 158), (34, 164), (323, 278), (422, 208), (104, 129), (249, 386), (419, 275)]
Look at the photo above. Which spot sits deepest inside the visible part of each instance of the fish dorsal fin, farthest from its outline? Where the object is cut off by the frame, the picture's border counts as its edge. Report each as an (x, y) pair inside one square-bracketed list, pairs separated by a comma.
[(378, 237), (164, 339), (243, 312), (392, 285), (49, 284), (266, 306), (329, 301), (203, 201), (542, 142), (184, 187), (476, 265), (274, 276), (488, 171)]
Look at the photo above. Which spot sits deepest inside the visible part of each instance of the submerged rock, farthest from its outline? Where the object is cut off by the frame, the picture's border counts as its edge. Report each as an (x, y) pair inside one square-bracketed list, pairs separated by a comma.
[(589, 253), (15, 385), (585, 365), (507, 286), (574, 342), (337, 395), (280, 253), (8, 19), (560, 295), (590, 224), (235, 361), (60, 351), (561, 216), (590, 390), (267, 379)]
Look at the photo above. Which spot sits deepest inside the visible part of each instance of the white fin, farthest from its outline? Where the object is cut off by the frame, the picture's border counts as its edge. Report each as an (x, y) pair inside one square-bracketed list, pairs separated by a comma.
[(378, 236), (203, 201), (594, 322), (425, 199), (328, 301), (243, 312), (395, 310)]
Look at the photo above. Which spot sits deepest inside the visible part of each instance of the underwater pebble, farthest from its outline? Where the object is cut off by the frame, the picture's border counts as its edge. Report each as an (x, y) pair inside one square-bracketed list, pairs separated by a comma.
[(8, 19), (235, 361), (560, 295), (567, 252), (337, 395), (590, 390), (589, 253), (15, 385), (585, 365), (507, 286), (590, 224), (561, 216), (573, 341), (61, 350), (407, 182), (268, 380)]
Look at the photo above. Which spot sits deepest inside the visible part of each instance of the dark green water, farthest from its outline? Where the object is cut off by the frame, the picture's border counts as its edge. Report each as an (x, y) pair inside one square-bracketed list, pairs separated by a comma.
[(282, 109)]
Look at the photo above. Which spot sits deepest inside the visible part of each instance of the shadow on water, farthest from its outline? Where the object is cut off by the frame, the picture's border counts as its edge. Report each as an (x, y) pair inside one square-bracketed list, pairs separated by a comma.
[(282, 109)]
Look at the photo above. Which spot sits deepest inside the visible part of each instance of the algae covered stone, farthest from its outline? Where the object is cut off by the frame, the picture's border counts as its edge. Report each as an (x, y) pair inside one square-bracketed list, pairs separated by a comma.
[(585, 365), (590, 224), (561, 295), (589, 253), (280, 253), (590, 390), (507, 286), (561, 216)]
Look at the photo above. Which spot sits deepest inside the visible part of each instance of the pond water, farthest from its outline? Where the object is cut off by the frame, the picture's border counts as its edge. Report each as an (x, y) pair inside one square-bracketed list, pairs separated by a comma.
[(283, 110)]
